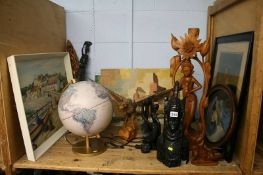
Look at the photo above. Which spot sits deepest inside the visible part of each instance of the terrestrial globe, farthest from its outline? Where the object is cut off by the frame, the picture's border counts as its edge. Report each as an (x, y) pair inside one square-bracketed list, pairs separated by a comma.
[(85, 108)]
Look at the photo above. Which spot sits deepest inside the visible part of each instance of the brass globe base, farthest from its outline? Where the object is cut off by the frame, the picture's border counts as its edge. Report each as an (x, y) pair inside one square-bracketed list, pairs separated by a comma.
[(90, 147)]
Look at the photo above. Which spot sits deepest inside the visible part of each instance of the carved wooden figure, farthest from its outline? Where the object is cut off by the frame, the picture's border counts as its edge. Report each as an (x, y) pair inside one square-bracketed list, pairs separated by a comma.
[(128, 130), (187, 83), (73, 59), (187, 50)]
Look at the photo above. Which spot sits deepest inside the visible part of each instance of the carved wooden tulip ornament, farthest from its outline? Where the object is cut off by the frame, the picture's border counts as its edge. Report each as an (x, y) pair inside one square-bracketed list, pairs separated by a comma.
[(187, 49)]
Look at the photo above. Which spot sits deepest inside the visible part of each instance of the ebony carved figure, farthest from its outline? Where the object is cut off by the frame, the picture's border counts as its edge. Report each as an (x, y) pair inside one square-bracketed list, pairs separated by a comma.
[(152, 129), (172, 145), (84, 61)]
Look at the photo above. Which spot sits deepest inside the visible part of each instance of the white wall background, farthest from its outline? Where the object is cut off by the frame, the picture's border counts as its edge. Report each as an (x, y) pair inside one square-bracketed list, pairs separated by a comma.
[(131, 33)]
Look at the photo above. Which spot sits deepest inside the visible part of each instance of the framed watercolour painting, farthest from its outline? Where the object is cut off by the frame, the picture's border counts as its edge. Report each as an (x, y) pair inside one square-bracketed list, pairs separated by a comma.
[(37, 82), (231, 62)]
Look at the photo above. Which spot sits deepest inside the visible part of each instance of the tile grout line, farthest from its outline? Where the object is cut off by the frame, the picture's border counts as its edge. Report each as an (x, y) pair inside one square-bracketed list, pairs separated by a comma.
[(132, 22), (94, 37)]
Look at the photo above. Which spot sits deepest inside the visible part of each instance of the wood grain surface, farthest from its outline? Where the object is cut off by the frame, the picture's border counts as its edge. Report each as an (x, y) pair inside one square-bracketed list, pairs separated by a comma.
[(27, 26), (258, 164), (220, 5), (1, 161), (128, 160), (243, 16)]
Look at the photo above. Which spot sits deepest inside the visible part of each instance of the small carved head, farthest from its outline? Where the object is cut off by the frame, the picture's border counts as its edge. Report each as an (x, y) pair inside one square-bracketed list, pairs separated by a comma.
[(187, 68)]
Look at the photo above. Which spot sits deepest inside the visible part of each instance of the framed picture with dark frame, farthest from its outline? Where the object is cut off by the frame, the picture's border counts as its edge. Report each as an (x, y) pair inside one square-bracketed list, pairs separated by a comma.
[(230, 66), (231, 62)]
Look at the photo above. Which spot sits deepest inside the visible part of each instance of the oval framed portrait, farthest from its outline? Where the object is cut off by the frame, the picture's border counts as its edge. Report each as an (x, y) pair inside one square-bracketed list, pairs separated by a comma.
[(220, 119)]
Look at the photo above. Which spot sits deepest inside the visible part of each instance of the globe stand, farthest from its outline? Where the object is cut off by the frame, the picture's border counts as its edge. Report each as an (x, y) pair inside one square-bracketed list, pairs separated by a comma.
[(91, 146)]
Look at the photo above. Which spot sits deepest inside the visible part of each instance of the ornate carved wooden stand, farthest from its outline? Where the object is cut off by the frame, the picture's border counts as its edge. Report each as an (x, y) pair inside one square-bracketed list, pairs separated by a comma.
[(187, 50)]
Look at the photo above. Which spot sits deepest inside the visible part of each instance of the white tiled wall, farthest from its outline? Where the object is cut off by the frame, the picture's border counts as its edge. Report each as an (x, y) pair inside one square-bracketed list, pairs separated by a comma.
[(131, 33), (79, 26), (182, 5), (157, 26), (75, 5), (112, 26), (106, 5)]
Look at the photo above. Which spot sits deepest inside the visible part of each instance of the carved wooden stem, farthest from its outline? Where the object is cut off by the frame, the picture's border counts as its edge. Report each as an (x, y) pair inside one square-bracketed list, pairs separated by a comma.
[(203, 101)]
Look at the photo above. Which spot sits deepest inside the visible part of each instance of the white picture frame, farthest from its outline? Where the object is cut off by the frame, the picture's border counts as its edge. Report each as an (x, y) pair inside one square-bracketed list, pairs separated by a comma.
[(37, 81)]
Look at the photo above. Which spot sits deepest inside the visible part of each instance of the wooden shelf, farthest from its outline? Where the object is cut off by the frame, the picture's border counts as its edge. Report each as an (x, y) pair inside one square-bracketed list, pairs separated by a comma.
[(258, 163), (60, 157), (1, 164), (2, 167), (1, 161)]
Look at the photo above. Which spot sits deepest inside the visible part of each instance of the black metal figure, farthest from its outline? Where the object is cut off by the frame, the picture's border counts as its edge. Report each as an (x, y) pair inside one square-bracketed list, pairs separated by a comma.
[(172, 146), (84, 60), (152, 130)]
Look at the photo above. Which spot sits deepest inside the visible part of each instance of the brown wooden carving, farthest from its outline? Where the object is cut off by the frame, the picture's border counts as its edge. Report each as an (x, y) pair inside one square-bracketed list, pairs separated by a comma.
[(187, 50), (129, 128), (73, 59)]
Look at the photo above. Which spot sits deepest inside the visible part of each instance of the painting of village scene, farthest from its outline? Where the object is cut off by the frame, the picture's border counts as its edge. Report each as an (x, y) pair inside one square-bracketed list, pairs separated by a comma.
[(41, 83), (136, 84)]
